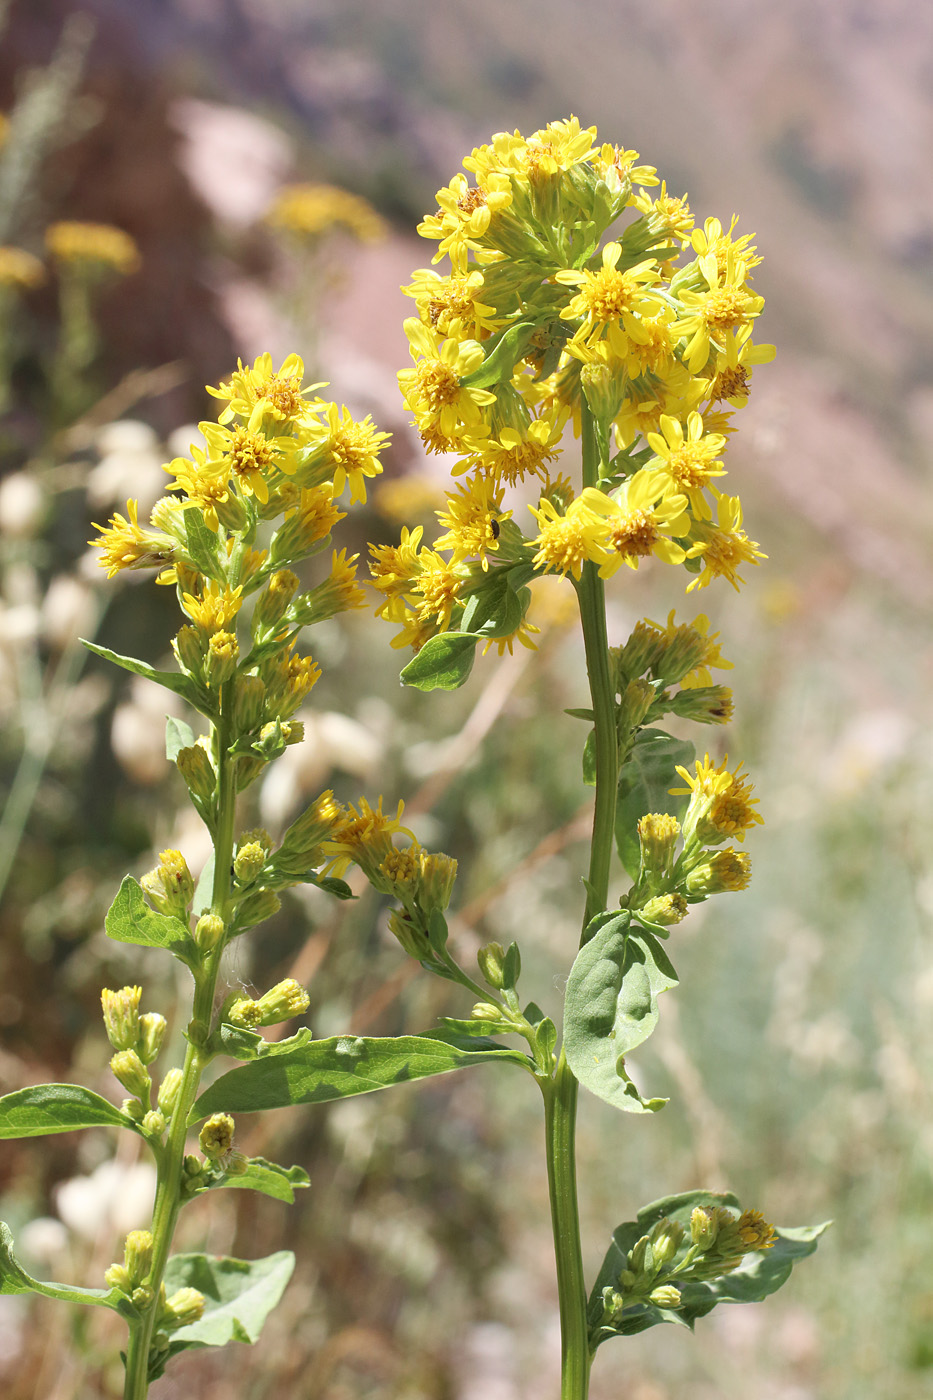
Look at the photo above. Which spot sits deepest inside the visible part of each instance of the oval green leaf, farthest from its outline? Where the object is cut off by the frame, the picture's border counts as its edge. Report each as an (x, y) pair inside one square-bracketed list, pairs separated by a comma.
[(57, 1108), (443, 663)]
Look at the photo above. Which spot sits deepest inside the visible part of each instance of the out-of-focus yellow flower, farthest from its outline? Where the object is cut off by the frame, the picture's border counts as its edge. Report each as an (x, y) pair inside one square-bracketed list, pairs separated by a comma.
[(309, 210), (100, 246), (20, 269)]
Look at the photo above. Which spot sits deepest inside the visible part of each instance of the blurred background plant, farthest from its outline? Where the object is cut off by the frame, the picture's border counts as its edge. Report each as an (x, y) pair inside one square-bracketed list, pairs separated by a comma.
[(179, 125)]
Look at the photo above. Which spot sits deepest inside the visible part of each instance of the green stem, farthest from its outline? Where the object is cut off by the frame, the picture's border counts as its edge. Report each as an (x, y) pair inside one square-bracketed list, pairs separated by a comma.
[(168, 1199), (560, 1093)]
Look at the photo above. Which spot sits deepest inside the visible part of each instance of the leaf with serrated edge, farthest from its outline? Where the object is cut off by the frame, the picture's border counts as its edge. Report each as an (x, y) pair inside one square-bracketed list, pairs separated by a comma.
[(14, 1279), (57, 1108), (611, 1006), (761, 1272), (130, 920), (320, 1071), (238, 1296)]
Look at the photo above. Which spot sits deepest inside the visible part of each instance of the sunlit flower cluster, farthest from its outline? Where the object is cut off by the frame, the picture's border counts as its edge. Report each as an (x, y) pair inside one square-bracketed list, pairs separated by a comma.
[(573, 279)]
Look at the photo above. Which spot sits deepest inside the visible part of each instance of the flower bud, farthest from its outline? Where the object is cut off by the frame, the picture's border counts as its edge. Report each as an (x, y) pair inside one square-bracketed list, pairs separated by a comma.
[(665, 1239), (667, 1296), (282, 1002), (154, 1122), (665, 909), (208, 931), (216, 1136), (183, 1307), (722, 872), (117, 1277), (491, 959), (603, 389), (706, 704), (256, 908), (657, 836), (248, 861), (438, 873), (486, 1011), (704, 1227), (249, 703), (152, 1027), (413, 940), (637, 699), (273, 602), (137, 1256), (223, 653), (197, 770), (639, 653), (128, 1068), (169, 1090), (170, 885), (189, 648), (121, 1016)]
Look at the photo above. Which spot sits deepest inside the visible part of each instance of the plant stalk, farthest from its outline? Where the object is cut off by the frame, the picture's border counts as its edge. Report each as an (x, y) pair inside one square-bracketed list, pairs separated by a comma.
[(168, 1199), (560, 1093)]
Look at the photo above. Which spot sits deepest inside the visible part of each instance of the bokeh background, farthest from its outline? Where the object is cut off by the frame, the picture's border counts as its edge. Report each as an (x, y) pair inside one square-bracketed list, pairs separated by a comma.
[(798, 1049)]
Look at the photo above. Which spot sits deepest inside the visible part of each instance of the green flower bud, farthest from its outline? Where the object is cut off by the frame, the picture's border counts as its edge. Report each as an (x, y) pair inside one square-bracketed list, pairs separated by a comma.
[(129, 1069), (256, 908), (231, 513), (137, 1256), (665, 1239), (117, 1277), (665, 909), (706, 704), (603, 389), (121, 1016), (704, 1226), (249, 703), (413, 940), (195, 767), (272, 604), (208, 931), (491, 959), (638, 655), (154, 1122), (170, 885), (189, 648), (637, 699), (248, 861), (169, 1090), (657, 836), (438, 873), (223, 653), (216, 1136), (722, 872), (236, 1164), (248, 768), (667, 1296), (282, 1002), (486, 1011), (152, 1027), (182, 1308)]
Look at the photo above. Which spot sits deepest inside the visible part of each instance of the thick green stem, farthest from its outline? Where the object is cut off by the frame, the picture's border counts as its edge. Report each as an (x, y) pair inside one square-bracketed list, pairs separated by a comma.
[(560, 1093), (168, 1199)]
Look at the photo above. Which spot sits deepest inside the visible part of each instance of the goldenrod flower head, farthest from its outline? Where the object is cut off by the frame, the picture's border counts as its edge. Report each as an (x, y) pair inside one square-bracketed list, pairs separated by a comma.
[(732, 371), (437, 589), (93, 246), (473, 518), (607, 293), (639, 519), (125, 544), (288, 678), (121, 1016), (688, 644), (657, 837), (565, 541), (665, 909), (278, 394), (248, 456), (722, 872), (709, 315), (464, 215), (724, 547), (20, 269), (204, 480), (452, 306), (216, 607), (311, 520), (137, 1256), (716, 250), (720, 803), (194, 765), (434, 389), (169, 1090), (216, 1136), (309, 210), (667, 214), (209, 931), (354, 451), (364, 836), (282, 1002), (152, 1028), (170, 885), (689, 462)]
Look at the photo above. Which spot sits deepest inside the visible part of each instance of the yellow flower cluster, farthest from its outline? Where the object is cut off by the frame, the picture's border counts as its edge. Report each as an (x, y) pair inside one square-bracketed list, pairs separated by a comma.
[(572, 281), (309, 210), (95, 246), (259, 495)]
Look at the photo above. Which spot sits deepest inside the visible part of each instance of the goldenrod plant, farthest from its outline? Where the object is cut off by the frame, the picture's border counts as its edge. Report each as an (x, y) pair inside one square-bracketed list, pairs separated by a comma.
[(581, 303)]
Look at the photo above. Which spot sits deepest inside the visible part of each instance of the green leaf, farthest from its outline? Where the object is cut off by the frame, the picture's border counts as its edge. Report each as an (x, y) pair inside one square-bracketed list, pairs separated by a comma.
[(268, 1178), (589, 759), (760, 1273), (172, 680), (443, 663), (178, 736), (204, 889), (130, 920), (202, 543), (320, 1071), (243, 1044), (611, 1006), (238, 1296), (57, 1108), (644, 782), (499, 364), (14, 1279), (495, 608)]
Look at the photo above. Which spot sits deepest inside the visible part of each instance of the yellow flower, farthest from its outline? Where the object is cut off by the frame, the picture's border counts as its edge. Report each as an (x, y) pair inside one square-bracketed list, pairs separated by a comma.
[(732, 370), (20, 269), (711, 656), (510, 455), (437, 588), (313, 209), (247, 455), (278, 393), (639, 520), (451, 306), (216, 608), (101, 245), (364, 837), (607, 293), (395, 568), (434, 388), (565, 542), (204, 481), (715, 248), (463, 216), (124, 544), (558, 146), (667, 215), (354, 450), (720, 802), (688, 463), (473, 519), (724, 547), (339, 592), (708, 316)]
